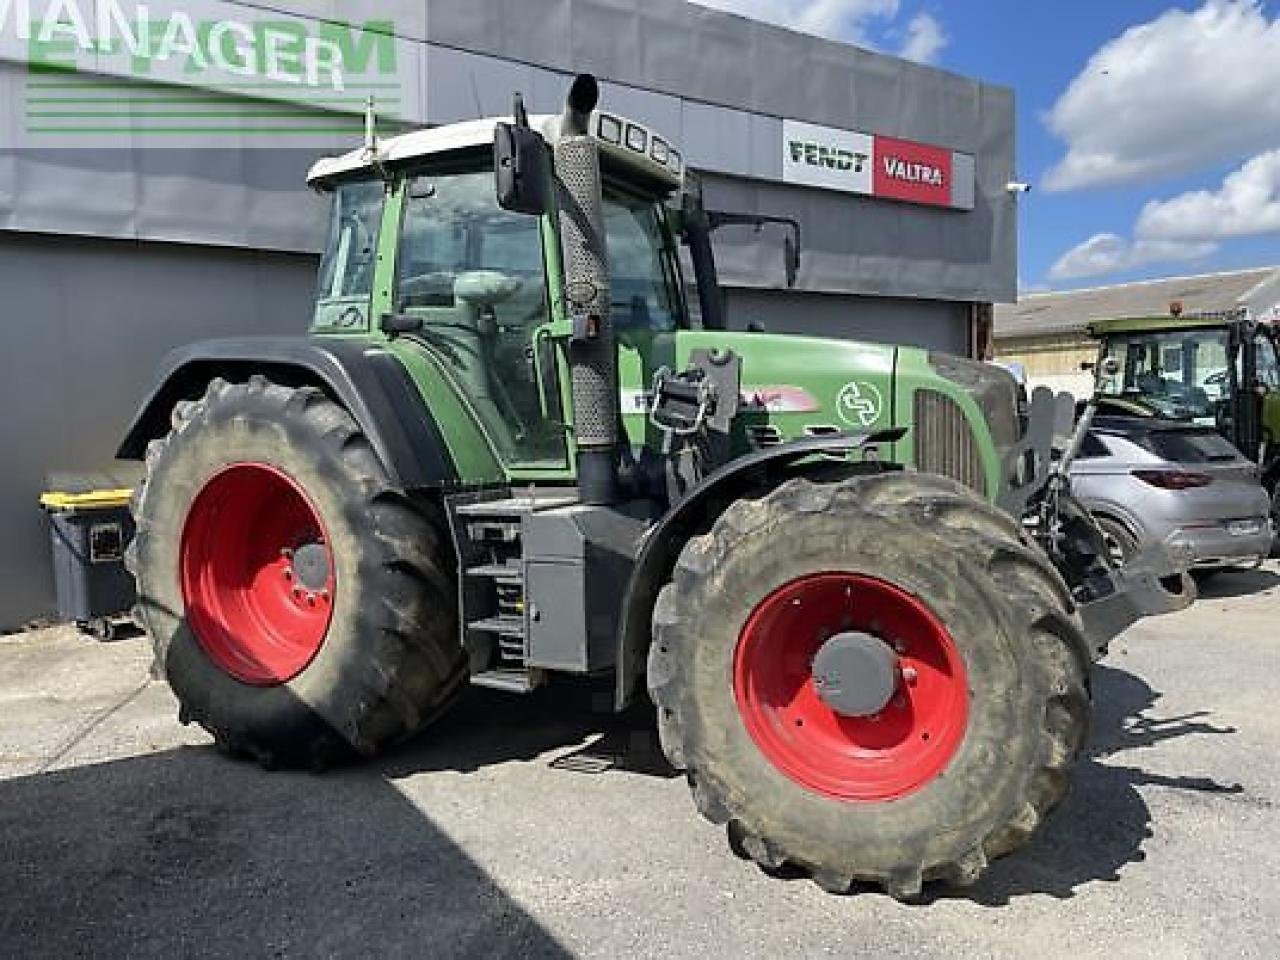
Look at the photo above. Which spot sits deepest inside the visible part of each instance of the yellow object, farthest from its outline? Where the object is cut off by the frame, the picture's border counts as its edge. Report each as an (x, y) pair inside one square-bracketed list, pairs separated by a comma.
[(90, 500)]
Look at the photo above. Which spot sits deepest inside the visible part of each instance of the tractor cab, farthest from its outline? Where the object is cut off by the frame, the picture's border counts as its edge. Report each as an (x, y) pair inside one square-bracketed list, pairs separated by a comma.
[(419, 247), (1219, 369)]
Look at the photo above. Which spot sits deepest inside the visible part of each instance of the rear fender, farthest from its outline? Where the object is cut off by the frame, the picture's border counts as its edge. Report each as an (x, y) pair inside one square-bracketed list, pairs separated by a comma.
[(360, 375), (757, 472)]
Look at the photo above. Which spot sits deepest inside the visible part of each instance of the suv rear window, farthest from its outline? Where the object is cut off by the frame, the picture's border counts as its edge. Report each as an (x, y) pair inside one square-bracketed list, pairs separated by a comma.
[(1189, 446)]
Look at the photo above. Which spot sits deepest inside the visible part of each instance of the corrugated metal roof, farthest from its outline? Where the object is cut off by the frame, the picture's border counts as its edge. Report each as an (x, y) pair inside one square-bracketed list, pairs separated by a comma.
[(1071, 310)]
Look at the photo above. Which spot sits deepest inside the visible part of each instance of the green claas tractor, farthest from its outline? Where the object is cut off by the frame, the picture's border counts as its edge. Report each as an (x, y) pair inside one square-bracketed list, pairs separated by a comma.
[(1220, 369), (860, 597)]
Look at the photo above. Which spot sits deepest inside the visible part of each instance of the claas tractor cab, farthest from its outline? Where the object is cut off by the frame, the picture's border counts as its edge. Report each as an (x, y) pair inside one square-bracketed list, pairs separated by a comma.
[(1218, 369), (847, 575)]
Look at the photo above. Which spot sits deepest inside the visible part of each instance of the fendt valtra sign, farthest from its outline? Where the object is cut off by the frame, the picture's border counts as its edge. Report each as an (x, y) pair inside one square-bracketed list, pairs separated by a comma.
[(876, 166)]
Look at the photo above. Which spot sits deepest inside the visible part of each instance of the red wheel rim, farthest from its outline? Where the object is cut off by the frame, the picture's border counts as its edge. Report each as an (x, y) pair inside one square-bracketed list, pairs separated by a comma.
[(257, 574), (884, 756)]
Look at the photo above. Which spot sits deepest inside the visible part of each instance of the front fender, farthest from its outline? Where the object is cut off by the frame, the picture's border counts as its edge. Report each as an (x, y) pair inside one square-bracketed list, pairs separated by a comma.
[(758, 471), (361, 375)]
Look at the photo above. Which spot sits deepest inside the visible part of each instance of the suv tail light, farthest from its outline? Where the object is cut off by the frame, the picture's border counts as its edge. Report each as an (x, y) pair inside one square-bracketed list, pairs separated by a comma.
[(1173, 479)]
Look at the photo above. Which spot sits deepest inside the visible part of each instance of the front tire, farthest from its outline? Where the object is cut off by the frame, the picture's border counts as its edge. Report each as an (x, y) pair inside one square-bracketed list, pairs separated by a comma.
[(302, 608), (969, 747)]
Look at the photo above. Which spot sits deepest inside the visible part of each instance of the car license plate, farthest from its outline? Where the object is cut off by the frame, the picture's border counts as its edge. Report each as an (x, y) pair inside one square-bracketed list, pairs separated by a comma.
[(1243, 528)]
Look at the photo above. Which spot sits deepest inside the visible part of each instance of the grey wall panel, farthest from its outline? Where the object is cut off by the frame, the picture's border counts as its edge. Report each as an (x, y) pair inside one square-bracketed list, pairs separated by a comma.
[(464, 86), (84, 323), (660, 111), (854, 244), (932, 324), (717, 138)]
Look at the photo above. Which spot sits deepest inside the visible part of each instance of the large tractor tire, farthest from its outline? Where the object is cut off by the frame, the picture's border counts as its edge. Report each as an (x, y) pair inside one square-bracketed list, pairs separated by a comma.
[(878, 679), (302, 609)]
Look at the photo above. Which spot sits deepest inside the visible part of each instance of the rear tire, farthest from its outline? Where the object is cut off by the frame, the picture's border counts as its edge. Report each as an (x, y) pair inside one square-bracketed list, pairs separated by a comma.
[(982, 618), (292, 664)]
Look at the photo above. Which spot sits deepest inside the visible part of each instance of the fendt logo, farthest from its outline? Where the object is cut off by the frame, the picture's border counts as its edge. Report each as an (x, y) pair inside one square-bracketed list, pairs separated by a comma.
[(823, 155)]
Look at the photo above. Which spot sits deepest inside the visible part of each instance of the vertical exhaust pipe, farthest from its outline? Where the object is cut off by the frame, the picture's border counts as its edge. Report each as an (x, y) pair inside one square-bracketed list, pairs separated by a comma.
[(593, 357)]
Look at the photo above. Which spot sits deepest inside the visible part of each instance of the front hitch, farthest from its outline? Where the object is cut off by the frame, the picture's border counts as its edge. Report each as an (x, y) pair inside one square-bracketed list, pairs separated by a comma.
[(1037, 488), (1151, 583)]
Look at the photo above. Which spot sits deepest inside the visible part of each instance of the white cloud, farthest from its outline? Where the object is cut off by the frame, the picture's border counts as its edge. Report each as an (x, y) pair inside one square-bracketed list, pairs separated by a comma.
[(1108, 253), (1247, 204), (925, 39), (846, 20), (1187, 89)]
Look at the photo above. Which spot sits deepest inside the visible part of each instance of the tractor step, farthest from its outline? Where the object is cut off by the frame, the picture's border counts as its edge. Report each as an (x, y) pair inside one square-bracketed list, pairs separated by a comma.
[(509, 681), (516, 506), (502, 572), (505, 625)]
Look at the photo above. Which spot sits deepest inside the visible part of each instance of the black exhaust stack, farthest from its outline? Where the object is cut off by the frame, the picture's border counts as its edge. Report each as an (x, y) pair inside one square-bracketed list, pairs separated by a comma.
[(593, 357)]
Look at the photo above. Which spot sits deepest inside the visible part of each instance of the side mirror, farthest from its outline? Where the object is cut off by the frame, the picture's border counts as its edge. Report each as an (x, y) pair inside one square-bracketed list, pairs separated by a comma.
[(520, 169)]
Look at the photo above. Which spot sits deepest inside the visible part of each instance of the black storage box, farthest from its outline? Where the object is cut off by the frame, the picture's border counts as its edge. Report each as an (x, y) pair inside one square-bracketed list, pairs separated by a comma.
[(90, 530)]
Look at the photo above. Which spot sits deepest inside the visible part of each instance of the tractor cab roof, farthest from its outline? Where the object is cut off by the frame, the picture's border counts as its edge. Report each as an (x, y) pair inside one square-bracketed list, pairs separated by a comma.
[(1100, 328), (629, 148)]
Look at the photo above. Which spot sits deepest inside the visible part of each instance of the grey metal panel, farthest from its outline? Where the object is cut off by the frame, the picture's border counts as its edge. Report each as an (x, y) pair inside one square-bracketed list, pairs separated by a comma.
[(660, 111), (466, 86), (932, 324), (555, 615), (855, 244), (716, 138), (963, 172), (86, 322), (766, 147)]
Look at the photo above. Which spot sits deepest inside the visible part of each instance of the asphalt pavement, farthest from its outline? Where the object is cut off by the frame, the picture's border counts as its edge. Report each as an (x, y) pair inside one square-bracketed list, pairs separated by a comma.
[(540, 827)]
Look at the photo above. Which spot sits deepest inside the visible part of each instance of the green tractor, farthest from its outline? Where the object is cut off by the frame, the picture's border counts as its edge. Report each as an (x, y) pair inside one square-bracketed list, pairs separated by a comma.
[(862, 601), (1220, 369)]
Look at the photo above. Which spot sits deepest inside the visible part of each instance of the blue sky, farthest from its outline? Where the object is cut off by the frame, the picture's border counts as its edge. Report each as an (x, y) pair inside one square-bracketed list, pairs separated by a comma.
[(1150, 130)]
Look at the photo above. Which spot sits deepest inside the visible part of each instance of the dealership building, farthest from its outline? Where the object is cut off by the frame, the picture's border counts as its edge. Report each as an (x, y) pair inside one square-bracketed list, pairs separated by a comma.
[(152, 162)]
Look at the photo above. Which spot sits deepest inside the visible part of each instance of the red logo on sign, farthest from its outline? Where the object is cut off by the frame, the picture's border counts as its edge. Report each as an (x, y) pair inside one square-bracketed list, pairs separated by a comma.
[(912, 171)]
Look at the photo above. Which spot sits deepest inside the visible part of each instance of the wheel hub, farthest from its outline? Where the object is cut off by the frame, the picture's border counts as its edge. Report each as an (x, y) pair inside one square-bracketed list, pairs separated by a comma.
[(310, 566), (855, 674)]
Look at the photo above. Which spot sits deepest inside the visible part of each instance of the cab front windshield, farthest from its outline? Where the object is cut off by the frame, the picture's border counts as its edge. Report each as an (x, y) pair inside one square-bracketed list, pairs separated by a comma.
[(1178, 373), (475, 275)]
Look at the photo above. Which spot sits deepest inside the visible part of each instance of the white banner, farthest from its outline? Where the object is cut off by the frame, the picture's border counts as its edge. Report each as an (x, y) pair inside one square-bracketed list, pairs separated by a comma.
[(825, 157)]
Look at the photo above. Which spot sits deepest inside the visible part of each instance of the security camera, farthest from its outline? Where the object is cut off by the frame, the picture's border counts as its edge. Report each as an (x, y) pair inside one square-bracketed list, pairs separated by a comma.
[(1017, 186)]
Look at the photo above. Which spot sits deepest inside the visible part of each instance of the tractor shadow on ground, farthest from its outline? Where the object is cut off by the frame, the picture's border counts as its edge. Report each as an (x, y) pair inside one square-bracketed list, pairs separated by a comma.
[(1101, 825), (184, 853), (1229, 584), (573, 720)]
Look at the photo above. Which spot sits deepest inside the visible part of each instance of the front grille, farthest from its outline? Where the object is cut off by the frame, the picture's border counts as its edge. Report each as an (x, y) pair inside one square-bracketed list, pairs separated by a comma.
[(944, 440)]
